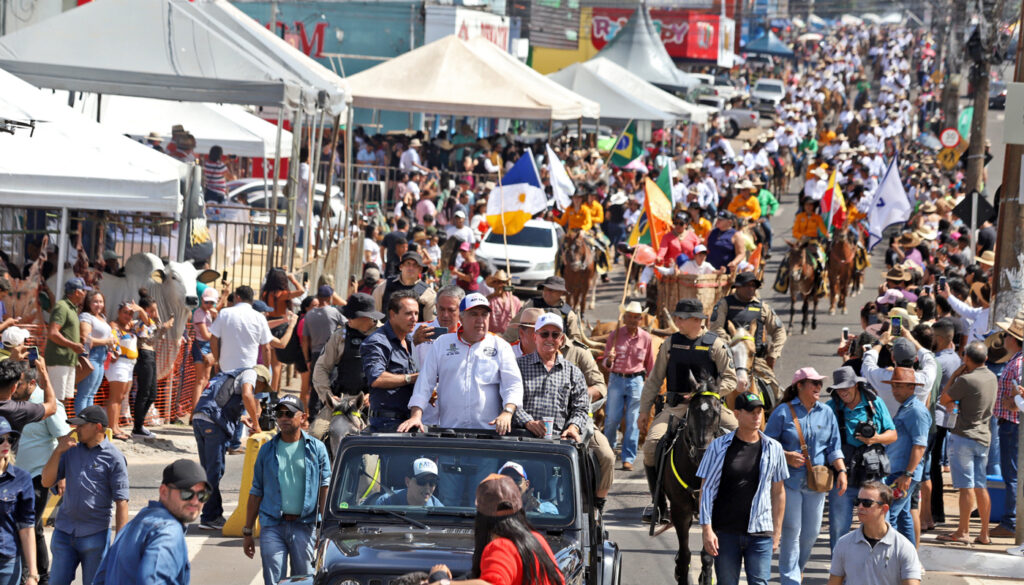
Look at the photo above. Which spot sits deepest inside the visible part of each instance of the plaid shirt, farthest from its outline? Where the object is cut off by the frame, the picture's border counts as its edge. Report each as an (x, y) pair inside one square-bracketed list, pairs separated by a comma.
[(560, 393), (1008, 381)]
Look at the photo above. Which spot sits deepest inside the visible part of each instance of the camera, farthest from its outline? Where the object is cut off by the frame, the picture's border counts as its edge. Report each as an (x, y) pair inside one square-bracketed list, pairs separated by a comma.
[(864, 429), (268, 419)]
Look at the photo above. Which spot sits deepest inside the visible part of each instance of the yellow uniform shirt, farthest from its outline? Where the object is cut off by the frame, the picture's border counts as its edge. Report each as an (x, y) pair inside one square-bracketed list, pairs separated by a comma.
[(579, 219), (749, 208), (701, 227), (596, 211), (809, 226)]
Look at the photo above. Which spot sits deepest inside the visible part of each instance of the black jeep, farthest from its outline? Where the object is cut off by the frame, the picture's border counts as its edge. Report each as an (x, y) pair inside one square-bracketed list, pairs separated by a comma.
[(381, 521)]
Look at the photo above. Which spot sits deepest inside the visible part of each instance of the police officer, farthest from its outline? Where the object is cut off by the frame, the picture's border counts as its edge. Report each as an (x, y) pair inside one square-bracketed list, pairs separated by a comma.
[(550, 301), (339, 371), (693, 350), (743, 309), (408, 278)]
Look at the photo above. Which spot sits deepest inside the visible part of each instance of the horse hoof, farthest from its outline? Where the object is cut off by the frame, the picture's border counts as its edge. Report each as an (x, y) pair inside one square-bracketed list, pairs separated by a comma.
[(844, 310), (831, 311), (803, 331)]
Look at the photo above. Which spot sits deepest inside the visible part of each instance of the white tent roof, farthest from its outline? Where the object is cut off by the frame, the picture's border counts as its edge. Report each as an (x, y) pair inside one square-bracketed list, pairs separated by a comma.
[(170, 49), (95, 167), (638, 48), (466, 78), (231, 127), (620, 92)]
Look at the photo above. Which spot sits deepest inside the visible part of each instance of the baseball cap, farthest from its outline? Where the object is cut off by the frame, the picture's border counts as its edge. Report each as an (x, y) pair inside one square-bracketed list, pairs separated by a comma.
[(806, 374), (748, 401), (371, 274), (474, 300), (461, 214), (74, 284), (548, 319), (745, 278), (261, 307), (903, 350), (90, 414), (325, 291), (211, 295), (513, 466), (183, 474), (262, 373), (700, 249), (15, 336), (498, 495), (412, 256), (292, 403), (687, 308), (465, 247), (423, 467), (6, 429)]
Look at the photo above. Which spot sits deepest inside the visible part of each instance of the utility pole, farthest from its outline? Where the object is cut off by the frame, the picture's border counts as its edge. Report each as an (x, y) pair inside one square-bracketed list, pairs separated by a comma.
[(980, 75), (954, 63)]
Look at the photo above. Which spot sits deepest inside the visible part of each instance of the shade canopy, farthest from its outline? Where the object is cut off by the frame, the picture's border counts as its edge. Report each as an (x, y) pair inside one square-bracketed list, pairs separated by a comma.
[(229, 126), (624, 95), (638, 48), (451, 76), (768, 44), (98, 168), (205, 51)]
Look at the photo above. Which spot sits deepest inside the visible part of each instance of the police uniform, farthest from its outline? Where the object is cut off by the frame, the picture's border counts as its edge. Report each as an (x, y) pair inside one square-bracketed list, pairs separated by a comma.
[(573, 327), (579, 355), (762, 323), (425, 295), (341, 353)]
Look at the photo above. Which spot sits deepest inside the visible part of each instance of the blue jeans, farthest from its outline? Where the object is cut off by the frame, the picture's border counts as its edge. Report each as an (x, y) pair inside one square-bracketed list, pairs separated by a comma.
[(212, 442), (754, 551), (840, 514), (1008, 465), (623, 397), (286, 541), (87, 388), (800, 527), (69, 551), (899, 511), (994, 464), (10, 570)]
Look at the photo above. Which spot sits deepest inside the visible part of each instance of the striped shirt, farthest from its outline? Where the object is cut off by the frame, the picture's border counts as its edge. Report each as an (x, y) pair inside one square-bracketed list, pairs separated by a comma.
[(1008, 380), (560, 393), (773, 469), (214, 173)]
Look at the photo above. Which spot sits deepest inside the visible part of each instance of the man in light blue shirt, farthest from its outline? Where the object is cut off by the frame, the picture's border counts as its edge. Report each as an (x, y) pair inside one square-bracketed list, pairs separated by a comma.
[(906, 454)]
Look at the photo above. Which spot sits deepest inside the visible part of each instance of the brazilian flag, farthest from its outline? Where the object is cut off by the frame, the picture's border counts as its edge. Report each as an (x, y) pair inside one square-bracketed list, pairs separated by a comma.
[(627, 148)]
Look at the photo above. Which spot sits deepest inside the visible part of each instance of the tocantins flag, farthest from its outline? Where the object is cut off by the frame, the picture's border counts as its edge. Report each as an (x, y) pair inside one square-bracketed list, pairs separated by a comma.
[(517, 198)]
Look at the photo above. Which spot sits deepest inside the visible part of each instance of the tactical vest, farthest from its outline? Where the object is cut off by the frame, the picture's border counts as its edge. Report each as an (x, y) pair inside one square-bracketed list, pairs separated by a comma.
[(394, 285), (563, 310), (347, 375), (748, 315), (687, 356)]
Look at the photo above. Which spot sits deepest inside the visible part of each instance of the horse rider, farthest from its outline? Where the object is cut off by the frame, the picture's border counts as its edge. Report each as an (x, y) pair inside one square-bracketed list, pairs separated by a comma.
[(810, 227), (693, 350), (551, 301), (601, 260), (743, 309)]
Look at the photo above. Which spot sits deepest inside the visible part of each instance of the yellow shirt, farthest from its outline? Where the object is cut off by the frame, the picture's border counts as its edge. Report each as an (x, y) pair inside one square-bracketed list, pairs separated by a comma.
[(596, 211), (809, 226), (748, 208), (702, 227), (579, 219)]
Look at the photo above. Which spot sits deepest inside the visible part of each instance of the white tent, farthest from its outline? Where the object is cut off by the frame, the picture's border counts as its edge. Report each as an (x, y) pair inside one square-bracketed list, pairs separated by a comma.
[(624, 95), (231, 127), (70, 161), (638, 47), (466, 78)]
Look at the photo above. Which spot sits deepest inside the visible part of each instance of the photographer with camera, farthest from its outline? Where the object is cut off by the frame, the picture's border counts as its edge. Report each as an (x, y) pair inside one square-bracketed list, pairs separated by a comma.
[(865, 428)]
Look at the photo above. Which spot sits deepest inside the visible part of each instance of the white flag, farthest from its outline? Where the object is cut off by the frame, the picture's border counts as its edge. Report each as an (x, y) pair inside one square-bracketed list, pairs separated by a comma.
[(561, 185), (889, 206)]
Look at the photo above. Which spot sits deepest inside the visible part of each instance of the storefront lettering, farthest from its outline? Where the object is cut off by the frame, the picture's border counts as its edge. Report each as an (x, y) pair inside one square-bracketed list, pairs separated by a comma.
[(312, 45)]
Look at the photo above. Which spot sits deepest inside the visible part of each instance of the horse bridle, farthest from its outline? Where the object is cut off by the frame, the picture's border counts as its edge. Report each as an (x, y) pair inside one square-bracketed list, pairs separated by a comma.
[(690, 449)]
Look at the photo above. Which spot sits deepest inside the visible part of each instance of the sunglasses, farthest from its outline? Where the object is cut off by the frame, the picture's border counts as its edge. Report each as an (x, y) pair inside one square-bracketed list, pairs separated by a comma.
[(866, 503), (818, 383), (423, 481), (187, 495), (10, 440), (284, 413), (551, 334)]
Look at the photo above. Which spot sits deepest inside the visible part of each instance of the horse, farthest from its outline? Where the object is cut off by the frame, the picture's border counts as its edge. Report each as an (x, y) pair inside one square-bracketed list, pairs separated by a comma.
[(686, 447), (579, 270), (743, 348), (348, 419), (804, 281), (840, 269)]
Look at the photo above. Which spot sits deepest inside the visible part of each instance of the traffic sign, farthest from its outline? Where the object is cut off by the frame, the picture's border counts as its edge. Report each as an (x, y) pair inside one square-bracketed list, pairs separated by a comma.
[(949, 137), (947, 157)]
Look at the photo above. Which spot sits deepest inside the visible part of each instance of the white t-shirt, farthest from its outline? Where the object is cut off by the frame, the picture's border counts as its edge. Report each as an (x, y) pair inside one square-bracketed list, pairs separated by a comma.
[(374, 249), (242, 331), (465, 233), (410, 158), (100, 328)]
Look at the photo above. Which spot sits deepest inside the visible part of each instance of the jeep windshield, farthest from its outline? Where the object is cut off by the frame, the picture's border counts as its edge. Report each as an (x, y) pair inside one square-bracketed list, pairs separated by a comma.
[(373, 479)]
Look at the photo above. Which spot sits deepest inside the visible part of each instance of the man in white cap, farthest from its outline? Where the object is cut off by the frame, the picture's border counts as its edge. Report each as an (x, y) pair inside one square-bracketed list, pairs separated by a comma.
[(419, 490), (460, 230), (699, 263), (13, 347)]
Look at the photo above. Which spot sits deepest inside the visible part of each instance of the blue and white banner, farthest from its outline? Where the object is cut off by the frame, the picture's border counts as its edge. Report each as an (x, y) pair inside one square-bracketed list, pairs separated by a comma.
[(889, 206)]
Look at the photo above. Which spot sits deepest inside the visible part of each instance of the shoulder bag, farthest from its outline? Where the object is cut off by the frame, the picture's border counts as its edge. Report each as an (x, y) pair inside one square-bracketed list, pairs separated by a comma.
[(819, 477)]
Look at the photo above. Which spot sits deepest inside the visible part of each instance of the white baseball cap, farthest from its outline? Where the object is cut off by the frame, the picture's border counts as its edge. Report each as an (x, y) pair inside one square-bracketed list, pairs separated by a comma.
[(699, 248), (424, 466), (514, 467), (15, 336), (548, 319), (474, 300)]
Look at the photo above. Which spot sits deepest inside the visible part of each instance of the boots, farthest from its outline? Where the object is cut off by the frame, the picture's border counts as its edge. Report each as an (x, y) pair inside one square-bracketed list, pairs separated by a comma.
[(660, 505)]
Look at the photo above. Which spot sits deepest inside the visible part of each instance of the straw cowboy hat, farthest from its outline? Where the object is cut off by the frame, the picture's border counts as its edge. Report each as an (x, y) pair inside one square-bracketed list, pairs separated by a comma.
[(1014, 327), (909, 240), (414, 143), (154, 136), (499, 278), (996, 344), (928, 207), (926, 232), (897, 273), (632, 307), (987, 258)]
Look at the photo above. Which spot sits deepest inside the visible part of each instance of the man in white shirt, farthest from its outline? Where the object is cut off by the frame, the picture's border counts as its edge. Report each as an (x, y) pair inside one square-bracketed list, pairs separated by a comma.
[(460, 230), (244, 333), (410, 160), (423, 335)]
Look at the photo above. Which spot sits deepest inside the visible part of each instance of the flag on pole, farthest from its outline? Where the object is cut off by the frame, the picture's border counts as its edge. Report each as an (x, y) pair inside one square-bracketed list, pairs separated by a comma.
[(562, 186), (890, 205), (664, 181), (656, 219), (627, 148), (833, 204), (518, 198)]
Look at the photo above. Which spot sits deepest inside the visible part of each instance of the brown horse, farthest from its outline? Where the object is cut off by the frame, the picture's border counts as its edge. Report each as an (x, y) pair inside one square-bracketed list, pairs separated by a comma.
[(803, 281), (840, 269), (579, 271)]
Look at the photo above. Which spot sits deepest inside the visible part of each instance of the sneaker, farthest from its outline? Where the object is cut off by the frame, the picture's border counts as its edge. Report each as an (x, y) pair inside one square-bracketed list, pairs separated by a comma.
[(143, 433), (215, 524), (1002, 532)]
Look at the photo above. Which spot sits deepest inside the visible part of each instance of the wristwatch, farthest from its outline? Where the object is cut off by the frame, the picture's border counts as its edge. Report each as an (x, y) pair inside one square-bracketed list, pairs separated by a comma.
[(246, 531), (408, 378), (510, 409), (909, 474)]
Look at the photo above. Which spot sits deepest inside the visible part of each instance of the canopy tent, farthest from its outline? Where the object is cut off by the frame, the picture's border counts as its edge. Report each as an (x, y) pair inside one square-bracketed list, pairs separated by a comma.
[(99, 169), (231, 127), (170, 49), (624, 95), (638, 48), (451, 76), (816, 22), (850, 20), (768, 44)]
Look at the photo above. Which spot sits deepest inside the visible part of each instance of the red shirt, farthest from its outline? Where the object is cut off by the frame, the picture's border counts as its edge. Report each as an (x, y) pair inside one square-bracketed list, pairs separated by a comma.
[(500, 563), (672, 246), (633, 353)]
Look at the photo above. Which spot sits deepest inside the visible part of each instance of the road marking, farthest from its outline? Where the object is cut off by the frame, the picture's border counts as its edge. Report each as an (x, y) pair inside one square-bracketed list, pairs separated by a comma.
[(629, 481)]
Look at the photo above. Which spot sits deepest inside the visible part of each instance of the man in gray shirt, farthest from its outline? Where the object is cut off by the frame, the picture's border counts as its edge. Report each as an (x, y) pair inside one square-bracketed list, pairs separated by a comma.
[(320, 323)]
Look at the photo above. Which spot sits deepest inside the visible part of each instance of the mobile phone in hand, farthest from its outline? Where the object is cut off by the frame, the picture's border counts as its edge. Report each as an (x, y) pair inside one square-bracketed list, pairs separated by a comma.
[(437, 332), (846, 334), (942, 282), (33, 355), (896, 326)]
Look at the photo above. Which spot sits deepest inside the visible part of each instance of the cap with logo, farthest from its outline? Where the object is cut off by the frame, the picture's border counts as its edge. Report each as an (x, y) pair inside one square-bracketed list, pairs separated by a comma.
[(424, 467), (548, 319), (292, 403), (183, 474), (474, 300), (90, 414), (513, 467), (749, 402)]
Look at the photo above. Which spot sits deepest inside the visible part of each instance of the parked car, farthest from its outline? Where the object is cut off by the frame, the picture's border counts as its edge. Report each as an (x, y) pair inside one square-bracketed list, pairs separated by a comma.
[(734, 120), (997, 95), (720, 86), (371, 537), (766, 94), (531, 252), (260, 197)]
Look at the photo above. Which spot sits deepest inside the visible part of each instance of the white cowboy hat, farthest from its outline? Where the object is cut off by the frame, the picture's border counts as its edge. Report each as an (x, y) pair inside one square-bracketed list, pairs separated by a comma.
[(633, 307)]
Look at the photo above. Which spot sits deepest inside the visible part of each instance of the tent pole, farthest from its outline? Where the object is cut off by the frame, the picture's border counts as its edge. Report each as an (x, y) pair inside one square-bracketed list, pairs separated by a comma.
[(316, 137), (325, 207), (272, 235), (551, 123), (62, 247), (293, 188), (185, 220), (99, 103), (579, 132)]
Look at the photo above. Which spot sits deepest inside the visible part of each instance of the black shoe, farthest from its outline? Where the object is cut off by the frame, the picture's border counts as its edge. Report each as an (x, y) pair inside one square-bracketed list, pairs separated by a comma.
[(215, 524)]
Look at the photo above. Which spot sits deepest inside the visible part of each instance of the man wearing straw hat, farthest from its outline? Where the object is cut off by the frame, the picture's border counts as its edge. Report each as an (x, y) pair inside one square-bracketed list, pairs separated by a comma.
[(630, 356), (1008, 417)]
